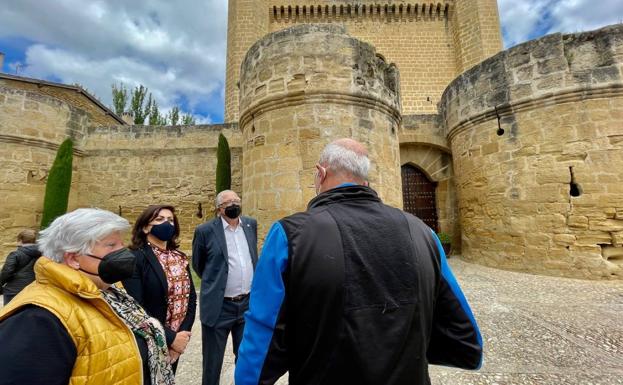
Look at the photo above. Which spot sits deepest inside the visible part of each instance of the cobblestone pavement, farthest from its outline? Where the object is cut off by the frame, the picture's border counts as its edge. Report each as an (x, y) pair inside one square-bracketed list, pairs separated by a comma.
[(536, 330)]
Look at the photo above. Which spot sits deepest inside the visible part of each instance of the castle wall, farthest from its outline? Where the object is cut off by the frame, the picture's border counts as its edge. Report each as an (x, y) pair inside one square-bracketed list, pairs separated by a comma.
[(120, 168), (74, 96), (302, 88), (32, 126), (545, 194), (127, 168)]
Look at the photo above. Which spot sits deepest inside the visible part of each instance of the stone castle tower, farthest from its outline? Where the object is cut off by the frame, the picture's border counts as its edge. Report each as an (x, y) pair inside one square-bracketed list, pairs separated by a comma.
[(431, 43)]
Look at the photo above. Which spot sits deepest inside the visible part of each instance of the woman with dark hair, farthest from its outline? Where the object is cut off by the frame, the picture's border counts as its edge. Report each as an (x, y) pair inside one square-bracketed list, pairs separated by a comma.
[(162, 282)]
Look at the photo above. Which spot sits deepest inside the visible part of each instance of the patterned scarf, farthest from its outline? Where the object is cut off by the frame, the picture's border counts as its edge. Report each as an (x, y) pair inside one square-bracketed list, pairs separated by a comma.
[(135, 317)]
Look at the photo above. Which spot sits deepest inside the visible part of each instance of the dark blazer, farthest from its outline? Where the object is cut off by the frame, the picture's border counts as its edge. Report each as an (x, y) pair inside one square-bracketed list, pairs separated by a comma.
[(210, 262), (149, 287)]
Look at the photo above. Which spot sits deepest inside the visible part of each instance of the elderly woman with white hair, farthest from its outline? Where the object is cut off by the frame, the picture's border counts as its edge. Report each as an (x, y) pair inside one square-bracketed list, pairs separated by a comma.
[(72, 325)]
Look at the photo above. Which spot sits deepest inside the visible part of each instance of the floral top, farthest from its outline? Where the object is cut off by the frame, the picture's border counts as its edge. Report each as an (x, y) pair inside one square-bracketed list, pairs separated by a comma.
[(175, 263)]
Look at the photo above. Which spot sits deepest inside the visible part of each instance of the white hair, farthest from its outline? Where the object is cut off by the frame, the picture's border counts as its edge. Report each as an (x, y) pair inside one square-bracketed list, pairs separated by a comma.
[(77, 232), (219, 197), (344, 160)]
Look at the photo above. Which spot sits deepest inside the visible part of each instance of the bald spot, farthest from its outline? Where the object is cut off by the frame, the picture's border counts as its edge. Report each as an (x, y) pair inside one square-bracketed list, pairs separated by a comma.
[(352, 145)]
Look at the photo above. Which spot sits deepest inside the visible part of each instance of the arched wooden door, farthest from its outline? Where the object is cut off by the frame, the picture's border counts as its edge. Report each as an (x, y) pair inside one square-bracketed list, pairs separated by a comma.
[(418, 194)]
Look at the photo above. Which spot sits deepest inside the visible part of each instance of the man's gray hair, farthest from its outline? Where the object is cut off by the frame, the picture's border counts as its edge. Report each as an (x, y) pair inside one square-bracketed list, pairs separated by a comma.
[(77, 232), (343, 160), (219, 197)]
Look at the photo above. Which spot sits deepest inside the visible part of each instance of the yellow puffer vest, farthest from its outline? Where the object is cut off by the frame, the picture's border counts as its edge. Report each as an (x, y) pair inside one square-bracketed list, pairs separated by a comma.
[(107, 350)]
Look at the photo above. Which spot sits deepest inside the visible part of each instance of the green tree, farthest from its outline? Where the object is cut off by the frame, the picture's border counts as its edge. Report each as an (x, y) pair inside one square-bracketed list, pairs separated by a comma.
[(142, 105), (139, 109), (155, 117), (174, 115), (119, 98), (223, 165), (58, 184), (188, 120)]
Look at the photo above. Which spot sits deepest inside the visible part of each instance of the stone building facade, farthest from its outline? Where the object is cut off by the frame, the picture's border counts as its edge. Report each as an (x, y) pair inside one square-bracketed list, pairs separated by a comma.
[(517, 155)]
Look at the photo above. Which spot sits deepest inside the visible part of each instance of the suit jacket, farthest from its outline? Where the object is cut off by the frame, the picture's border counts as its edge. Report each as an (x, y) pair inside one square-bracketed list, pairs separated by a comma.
[(210, 262), (149, 287)]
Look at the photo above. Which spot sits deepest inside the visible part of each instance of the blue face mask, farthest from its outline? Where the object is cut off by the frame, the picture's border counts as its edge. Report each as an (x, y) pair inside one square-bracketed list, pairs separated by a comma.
[(163, 231)]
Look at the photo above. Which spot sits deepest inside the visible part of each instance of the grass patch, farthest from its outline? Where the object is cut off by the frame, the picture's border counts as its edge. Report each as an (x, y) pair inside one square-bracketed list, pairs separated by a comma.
[(196, 279)]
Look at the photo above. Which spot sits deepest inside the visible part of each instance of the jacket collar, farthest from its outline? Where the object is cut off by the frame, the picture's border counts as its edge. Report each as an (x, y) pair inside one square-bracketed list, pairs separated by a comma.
[(344, 193), (48, 272)]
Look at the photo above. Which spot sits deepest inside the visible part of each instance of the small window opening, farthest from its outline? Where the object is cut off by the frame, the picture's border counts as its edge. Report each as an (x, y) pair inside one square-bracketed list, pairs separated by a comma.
[(574, 188), (199, 210)]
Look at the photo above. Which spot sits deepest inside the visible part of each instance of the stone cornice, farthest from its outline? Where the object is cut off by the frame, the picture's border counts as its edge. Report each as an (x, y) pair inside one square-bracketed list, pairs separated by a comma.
[(14, 139), (343, 12), (530, 103), (316, 97)]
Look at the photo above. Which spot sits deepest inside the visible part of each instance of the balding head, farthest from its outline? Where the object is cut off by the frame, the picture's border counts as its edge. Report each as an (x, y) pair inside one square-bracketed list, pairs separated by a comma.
[(346, 156), (352, 145), (342, 161)]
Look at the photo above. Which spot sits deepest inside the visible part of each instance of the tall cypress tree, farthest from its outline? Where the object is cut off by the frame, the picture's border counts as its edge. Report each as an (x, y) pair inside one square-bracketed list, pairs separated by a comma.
[(223, 165), (58, 184)]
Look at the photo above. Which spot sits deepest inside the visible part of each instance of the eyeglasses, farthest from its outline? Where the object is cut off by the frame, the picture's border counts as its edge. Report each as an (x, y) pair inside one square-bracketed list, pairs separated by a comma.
[(230, 202)]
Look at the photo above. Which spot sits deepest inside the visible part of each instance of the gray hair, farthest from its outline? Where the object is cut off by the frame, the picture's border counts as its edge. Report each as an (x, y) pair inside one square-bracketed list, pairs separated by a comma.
[(219, 197), (77, 232), (344, 160)]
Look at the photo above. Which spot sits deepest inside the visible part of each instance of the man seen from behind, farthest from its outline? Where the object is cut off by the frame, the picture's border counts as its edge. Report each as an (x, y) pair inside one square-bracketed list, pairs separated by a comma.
[(352, 291)]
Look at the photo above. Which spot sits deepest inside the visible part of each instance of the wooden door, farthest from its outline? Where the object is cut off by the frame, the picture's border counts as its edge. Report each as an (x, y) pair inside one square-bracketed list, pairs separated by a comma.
[(418, 194)]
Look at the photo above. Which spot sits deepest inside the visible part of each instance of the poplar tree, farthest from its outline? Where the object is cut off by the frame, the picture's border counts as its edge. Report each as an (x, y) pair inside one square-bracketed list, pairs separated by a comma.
[(223, 165), (58, 184), (119, 98)]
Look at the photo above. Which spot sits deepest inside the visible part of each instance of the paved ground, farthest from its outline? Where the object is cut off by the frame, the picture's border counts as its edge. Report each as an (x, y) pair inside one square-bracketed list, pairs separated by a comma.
[(537, 330)]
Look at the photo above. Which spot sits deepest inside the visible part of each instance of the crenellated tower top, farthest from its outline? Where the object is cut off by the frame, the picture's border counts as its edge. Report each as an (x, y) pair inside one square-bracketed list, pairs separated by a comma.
[(430, 42)]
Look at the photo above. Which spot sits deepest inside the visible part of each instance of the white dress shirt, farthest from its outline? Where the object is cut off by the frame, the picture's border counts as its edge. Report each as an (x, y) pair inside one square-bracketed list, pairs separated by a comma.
[(240, 273)]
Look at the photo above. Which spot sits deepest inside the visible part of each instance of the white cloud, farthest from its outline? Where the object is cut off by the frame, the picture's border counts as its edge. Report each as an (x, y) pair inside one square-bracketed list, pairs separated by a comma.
[(529, 19), (585, 15), (175, 48), (519, 19)]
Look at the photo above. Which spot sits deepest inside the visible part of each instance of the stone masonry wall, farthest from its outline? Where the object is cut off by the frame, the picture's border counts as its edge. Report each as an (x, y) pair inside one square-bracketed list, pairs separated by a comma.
[(476, 32), (300, 89), (247, 21), (127, 168), (72, 96), (419, 43), (32, 126), (430, 43), (545, 194)]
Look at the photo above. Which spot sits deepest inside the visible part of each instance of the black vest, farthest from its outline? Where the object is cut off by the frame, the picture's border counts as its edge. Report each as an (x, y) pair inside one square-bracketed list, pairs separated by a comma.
[(360, 288)]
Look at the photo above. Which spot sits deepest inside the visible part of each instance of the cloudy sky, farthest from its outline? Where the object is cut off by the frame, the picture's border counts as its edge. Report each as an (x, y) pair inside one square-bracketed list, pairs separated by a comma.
[(177, 48)]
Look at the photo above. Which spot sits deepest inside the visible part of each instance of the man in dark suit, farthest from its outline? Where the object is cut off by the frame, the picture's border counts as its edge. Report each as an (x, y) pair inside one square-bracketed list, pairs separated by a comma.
[(224, 256)]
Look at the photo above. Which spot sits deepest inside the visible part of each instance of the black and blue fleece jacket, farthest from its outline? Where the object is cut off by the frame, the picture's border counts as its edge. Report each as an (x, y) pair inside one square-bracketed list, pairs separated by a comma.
[(354, 292)]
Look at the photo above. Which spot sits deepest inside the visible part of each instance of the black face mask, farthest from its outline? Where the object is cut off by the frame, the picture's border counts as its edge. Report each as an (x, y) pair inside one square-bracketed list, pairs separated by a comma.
[(115, 266), (164, 231), (233, 211)]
